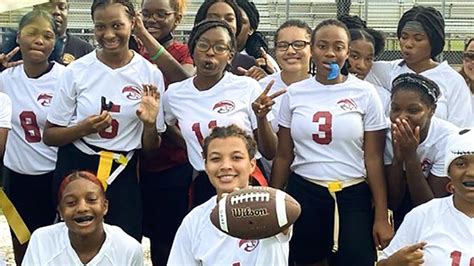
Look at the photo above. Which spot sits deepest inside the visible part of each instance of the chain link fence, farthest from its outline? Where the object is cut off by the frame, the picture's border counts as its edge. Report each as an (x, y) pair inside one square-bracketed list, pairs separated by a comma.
[(380, 14)]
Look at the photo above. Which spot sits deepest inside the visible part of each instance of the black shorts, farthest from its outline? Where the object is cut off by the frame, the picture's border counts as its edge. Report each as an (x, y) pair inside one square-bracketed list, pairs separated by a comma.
[(30, 194), (312, 239), (125, 207), (165, 197)]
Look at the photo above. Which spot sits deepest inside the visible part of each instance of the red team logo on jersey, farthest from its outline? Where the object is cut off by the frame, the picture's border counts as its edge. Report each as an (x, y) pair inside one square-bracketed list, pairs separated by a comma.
[(347, 104), (132, 92), (248, 245), (223, 107), (45, 99), (426, 165)]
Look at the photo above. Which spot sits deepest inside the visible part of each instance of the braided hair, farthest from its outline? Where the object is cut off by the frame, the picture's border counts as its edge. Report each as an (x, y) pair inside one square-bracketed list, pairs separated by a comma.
[(256, 40), (330, 22), (373, 36), (432, 22), (102, 3), (427, 89), (201, 14)]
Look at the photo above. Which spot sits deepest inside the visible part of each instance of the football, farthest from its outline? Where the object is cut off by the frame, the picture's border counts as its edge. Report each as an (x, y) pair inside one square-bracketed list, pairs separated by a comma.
[(255, 213)]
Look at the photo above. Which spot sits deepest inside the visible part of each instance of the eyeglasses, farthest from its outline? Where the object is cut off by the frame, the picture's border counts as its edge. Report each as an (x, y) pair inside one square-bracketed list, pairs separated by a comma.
[(159, 15), (468, 56), (218, 48), (297, 45)]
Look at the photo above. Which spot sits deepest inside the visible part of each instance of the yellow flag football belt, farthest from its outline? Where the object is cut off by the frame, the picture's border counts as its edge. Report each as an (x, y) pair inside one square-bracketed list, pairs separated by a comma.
[(14, 219), (333, 187), (105, 162)]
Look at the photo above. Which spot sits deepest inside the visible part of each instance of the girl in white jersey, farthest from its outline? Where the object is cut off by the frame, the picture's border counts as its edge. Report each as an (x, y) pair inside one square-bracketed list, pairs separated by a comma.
[(5, 121), (467, 70), (293, 54), (414, 149), (215, 97), (106, 108), (83, 238), (440, 232), (421, 35), (29, 163), (331, 134), (229, 155)]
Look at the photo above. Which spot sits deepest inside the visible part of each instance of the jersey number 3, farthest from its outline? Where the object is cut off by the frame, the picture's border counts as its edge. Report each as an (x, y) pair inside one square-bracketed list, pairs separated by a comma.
[(324, 120)]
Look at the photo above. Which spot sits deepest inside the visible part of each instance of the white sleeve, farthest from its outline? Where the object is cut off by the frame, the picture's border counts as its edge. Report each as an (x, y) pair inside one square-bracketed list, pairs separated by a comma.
[(388, 151), (374, 118), (438, 167), (64, 102), (160, 120), (136, 258), (5, 111), (459, 104), (181, 250), (407, 234), (169, 117), (380, 74), (31, 256), (284, 117)]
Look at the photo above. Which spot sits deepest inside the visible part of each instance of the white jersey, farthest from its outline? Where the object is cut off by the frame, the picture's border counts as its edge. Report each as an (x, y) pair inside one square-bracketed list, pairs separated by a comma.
[(50, 245), (87, 80), (198, 112), (385, 97), (278, 85), (25, 152), (327, 124), (455, 101), (199, 242), (432, 150), (5, 111), (448, 232)]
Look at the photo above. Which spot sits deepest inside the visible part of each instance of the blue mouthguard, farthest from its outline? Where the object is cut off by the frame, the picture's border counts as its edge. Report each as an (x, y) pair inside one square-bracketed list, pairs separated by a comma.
[(334, 71)]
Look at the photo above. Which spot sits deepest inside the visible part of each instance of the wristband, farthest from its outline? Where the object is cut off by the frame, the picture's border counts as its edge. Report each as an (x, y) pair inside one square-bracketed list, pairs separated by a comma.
[(153, 58)]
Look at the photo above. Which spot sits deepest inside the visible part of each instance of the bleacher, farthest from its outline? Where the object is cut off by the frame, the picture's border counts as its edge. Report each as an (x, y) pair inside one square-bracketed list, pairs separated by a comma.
[(379, 14)]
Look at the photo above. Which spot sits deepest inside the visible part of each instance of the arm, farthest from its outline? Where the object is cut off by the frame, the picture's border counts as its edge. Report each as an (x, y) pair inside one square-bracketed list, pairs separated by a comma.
[(3, 141), (394, 172), (407, 256), (148, 113), (283, 159), (373, 150), (265, 138), (172, 69)]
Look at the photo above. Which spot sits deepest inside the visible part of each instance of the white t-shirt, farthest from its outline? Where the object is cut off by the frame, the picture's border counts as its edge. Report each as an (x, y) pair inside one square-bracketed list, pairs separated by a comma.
[(455, 101), (83, 84), (198, 112), (327, 124), (5, 111), (385, 97), (199, 242), (31, 98), (432, 150), (50, 245), (448, 232)]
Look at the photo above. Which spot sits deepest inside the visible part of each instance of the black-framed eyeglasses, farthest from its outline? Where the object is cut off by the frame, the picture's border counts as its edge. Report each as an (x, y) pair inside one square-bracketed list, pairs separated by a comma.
[(297, 45), (468, 56), (159, 15), (218, 48)]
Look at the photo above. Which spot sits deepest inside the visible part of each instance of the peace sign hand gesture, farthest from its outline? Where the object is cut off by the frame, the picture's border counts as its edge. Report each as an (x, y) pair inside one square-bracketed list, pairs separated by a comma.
[(5, 58), (263, 104)]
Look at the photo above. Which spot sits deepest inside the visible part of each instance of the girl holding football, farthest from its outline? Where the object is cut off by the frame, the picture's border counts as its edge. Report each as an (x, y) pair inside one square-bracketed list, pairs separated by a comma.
[(414, 149), (439, 232), (105, 109), (30, 86), (229, 158), (217, 98), (330, 146), (421, 35)]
